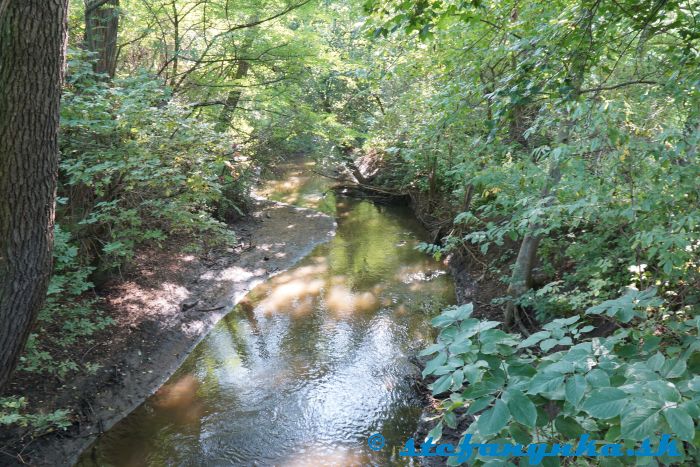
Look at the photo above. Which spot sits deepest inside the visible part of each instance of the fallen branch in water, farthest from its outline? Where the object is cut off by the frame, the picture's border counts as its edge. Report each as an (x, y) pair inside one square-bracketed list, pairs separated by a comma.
[(356, 185), (211, 309)]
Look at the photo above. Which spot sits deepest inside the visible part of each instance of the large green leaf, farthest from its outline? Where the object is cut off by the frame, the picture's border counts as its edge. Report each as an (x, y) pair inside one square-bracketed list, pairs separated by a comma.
[(435, 363), (598, 378), (493, 420), (575, 389), (534, 339), (673, 368), (568, 427), (680, 422), (606, 403), (442, 384), (522, 408), (480, 404), (639, 423), (545, 382)]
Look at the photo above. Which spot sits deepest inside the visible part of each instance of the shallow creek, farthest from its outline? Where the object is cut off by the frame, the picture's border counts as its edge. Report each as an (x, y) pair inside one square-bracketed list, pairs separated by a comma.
[(311, 363)]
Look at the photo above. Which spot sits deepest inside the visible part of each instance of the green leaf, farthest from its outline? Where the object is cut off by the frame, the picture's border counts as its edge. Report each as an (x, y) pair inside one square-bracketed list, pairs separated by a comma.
[(548, 344), (493, 420), (639, 423), (694, 384), (519, 434), (480, 404), (460, 347), (434, 364), (656, 361), (606, 403), (436, 432), (450, 420), (113, 246), (565, 341), (674, 368), (568, 427), (482, 388), (545, 382), (472, 373), (598, 378), (431, 349), (534, 339), (631, 304), (680, 422), (575, 389), (522, 408), (457, 380), (442, 384)]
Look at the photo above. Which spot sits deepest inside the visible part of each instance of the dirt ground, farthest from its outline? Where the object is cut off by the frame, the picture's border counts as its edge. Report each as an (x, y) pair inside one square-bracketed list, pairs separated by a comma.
[(163, 307)]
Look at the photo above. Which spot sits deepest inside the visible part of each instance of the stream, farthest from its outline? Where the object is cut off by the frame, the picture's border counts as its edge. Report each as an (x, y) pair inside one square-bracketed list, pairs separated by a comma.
[(310, 363)]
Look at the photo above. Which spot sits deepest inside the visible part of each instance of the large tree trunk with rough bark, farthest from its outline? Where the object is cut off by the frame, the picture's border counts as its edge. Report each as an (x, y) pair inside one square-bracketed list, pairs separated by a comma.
[(101, 27), (32, 54)]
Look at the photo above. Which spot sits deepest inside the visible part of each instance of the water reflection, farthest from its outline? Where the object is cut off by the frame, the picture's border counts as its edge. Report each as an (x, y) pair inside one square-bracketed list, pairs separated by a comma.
[(309, 364)]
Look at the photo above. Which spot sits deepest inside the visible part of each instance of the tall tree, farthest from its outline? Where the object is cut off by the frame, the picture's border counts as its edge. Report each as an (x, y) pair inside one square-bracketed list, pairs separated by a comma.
[(101, 27), (32, 53)]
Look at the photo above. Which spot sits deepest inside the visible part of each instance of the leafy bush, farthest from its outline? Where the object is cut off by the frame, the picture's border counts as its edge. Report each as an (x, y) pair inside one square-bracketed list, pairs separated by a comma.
[(68, 317), (136, 167), (559, 383), (12, 412)]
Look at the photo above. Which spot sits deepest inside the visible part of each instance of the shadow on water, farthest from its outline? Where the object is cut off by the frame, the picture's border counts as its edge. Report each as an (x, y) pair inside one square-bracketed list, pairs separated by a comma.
[(311, 363)]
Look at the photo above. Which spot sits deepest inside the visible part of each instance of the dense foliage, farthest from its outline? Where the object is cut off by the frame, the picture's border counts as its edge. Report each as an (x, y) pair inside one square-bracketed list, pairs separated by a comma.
[(575, 122), (562, 139), (558, 384)]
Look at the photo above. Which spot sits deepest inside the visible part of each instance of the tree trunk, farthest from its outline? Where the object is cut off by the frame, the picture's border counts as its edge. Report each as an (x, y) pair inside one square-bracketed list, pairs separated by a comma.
[(234, 96), (521, 278), (32, 53), (101, 27)]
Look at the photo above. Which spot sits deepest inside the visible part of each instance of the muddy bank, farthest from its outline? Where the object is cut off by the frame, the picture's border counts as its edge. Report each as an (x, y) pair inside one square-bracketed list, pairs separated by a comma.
[(163, 309), (473, 284)]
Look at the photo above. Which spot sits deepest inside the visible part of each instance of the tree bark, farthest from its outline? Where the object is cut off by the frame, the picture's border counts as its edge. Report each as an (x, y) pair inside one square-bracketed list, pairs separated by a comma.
[(101, 28), (32, 54)]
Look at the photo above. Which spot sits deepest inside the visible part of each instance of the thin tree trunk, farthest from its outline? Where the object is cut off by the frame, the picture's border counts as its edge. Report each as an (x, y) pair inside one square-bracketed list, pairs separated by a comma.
[(234, 96), (101, 28), (521, 278), (176, 51), (32, 53)]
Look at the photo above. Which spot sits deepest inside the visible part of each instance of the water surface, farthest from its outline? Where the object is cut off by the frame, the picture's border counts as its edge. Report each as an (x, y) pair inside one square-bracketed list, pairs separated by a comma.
[(311, 363)]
